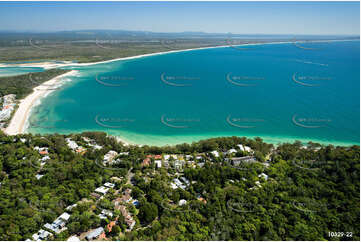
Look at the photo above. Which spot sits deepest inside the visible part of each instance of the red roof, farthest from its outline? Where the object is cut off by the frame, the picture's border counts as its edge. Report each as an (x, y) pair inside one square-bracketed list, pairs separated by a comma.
[(43, 152)]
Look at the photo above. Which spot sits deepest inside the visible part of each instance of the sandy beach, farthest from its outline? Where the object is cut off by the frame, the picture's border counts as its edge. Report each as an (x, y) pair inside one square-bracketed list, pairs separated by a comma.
[(50, 65), (18, 122)]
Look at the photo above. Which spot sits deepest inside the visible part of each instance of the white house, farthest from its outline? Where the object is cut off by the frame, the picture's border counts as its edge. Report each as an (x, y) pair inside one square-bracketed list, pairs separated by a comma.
[(182, 202), (103, 190), (110, 185), (263, 175), (72, 144), (215, 153), (158, 163), (231, 151), (244, 148)]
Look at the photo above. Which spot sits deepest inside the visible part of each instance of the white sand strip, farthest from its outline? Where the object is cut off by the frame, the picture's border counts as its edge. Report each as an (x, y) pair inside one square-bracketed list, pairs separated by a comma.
[(18, 121)]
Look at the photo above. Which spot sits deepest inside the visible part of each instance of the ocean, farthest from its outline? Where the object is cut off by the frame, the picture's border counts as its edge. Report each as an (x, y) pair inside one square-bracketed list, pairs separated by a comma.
[(279, 92)]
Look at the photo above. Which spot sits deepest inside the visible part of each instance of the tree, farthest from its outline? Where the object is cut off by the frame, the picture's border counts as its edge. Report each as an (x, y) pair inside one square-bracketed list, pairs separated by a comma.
[(148, 212)]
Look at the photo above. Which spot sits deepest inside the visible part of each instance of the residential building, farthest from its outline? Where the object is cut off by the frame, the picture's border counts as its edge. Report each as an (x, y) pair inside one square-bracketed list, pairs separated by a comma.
[(94, 234)]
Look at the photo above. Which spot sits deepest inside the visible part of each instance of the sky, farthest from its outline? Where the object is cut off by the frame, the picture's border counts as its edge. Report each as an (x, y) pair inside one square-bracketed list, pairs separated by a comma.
[(318, 18)]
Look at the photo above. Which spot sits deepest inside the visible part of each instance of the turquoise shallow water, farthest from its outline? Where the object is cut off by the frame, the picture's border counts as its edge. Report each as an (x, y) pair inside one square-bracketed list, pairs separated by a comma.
[(280, 92), (14, 71)]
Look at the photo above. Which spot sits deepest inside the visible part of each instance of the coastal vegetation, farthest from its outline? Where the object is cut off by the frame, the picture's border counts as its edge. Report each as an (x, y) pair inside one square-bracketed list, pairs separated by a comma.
[(22, 85), (101, 45), (291, 191)]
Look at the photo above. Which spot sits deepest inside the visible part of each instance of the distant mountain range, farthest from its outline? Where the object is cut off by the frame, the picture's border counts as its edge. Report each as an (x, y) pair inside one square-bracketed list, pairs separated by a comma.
[(83, 34)]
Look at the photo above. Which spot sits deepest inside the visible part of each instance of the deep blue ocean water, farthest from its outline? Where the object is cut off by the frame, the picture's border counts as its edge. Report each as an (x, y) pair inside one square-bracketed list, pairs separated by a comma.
[(279, 92)]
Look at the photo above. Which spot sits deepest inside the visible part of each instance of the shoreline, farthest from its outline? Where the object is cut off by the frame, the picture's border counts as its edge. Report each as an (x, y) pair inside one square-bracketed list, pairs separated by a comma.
[(50, 65), (19, 122), (161, 140), (20, 119)]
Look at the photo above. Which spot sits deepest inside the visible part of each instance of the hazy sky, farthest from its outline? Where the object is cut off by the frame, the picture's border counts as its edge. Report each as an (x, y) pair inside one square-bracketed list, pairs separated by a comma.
[(215, 17)]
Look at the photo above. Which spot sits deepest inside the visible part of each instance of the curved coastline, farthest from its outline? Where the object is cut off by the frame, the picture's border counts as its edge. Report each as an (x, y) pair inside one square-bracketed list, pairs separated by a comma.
[(50, 65), (20, 119)]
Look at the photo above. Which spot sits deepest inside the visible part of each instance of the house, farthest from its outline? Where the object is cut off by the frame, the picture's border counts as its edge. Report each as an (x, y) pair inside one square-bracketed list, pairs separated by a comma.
[(43, 152), (70, 207), (108, 184), (114, 178), (200, 164), (105, 214), (41, 235), (110, 226), (158, 163), (201, 199), (199, 157), (245, 148), (71, 144), (103, 190), (95, 195), (65, 216), (127, 217), (45, 158), (182, 202), (185, 180), (177, 183), (109, 157), (238, 160), (231, 151), (94, 234), (73, 239), (215, 153), (58, 225), (263, 175), (146, 162), (38, 176), (80, 150), (178, 164), (126, 198)]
